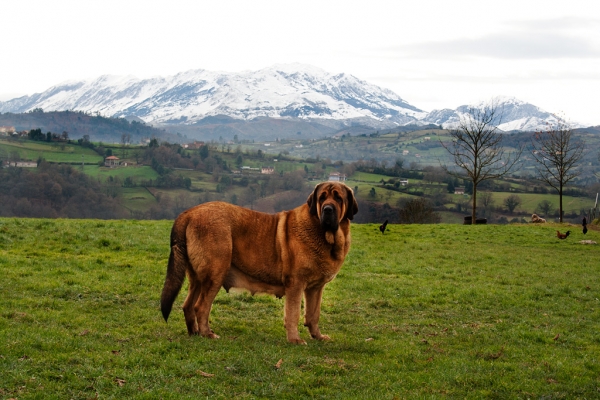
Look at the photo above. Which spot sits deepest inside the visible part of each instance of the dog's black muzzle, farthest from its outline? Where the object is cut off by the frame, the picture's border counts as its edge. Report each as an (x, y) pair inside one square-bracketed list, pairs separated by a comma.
[(329, 219)]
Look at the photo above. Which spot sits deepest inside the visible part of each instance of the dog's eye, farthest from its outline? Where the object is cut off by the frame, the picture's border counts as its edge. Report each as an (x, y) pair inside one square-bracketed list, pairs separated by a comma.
[(337, 197)]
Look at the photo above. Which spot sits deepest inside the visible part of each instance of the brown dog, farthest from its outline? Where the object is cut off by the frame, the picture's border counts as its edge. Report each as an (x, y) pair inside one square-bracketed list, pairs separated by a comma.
[(289, 254)]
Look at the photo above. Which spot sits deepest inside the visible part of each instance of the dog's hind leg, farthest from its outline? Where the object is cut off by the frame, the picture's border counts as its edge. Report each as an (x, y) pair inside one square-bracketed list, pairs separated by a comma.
[(208, 292), (188, 306), (211, 273)]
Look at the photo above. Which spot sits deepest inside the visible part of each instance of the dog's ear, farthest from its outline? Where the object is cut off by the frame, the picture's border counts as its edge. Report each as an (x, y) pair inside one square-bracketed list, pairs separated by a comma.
[(313, 200), (352, 206)]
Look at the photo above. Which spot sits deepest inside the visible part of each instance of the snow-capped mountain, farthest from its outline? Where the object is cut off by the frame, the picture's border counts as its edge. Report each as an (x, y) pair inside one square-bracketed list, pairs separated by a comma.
[(281, 91), (288, 92), (512, 115)]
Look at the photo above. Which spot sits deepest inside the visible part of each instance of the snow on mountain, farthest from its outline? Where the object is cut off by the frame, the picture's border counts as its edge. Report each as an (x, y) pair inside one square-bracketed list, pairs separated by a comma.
[(284, 91), (514, 115), (280, 91)]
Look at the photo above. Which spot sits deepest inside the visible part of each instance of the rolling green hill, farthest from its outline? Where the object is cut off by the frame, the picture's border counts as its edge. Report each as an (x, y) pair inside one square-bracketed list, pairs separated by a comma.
[(142, 192), (78, 124)]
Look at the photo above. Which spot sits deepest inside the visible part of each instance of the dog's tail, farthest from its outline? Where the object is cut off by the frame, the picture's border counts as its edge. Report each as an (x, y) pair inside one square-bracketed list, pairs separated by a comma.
[(178, 264)]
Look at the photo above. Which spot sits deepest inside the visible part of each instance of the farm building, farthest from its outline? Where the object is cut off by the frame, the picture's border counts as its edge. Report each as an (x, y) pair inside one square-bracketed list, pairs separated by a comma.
[(111, 162), (21, 164), (337, 177)]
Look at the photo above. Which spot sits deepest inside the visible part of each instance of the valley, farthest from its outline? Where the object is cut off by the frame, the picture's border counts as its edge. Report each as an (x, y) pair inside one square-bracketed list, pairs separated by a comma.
[(161, 180)]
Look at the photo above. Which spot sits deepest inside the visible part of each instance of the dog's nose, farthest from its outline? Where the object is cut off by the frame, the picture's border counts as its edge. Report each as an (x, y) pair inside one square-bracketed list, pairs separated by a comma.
[(328, 209)]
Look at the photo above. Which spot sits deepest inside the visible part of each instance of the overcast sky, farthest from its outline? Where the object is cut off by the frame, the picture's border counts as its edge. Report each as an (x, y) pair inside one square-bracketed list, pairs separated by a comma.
[(434, 54)]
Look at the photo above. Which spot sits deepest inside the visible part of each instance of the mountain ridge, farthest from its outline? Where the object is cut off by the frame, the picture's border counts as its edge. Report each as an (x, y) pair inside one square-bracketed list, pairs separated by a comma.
[(297, 93)]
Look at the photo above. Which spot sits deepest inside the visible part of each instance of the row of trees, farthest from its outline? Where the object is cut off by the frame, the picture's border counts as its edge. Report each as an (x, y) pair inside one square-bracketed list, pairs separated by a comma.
[(38, 135), (55, 191), (478, 151)]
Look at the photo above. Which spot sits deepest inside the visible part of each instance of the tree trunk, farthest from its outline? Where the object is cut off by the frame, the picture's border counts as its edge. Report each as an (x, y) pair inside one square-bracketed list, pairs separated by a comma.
[(474, 209), (560, 207)]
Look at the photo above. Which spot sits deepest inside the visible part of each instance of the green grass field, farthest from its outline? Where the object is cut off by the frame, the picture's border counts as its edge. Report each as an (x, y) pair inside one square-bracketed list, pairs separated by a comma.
[(531, 201), (137, 198), (424, 311), (138, 173), (51, 152)]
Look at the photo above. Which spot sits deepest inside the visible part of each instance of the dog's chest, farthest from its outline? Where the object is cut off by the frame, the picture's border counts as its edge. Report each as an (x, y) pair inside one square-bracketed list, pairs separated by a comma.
[(329, 277), (326, 272)]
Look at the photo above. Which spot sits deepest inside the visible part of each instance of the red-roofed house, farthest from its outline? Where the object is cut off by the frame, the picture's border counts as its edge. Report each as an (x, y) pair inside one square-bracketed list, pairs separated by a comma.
[(111, 162)]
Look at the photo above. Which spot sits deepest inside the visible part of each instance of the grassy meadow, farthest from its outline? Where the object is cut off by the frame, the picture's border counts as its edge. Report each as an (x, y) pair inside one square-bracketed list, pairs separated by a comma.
[(424, 311), (51, 152)]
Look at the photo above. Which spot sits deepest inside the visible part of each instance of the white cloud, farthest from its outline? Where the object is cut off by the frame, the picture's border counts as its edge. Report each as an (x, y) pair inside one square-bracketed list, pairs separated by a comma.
[(433, 54), (512, 45)]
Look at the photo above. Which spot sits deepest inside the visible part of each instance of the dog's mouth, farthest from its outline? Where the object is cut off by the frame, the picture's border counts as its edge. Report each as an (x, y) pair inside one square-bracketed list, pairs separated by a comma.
[(329, 218)]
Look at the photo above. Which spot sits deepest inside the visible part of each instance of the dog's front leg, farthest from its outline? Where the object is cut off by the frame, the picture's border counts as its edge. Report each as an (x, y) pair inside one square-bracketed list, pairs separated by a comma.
[(293, 300), (312, 312)]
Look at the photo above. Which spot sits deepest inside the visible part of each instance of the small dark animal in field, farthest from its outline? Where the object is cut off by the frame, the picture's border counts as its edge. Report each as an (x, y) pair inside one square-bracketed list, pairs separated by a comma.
[(563, 235), (382, 227), (584, 223)]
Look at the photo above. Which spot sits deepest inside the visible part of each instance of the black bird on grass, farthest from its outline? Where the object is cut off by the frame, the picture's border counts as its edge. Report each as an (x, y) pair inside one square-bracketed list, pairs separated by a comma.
[(382, 227), (584, 223)]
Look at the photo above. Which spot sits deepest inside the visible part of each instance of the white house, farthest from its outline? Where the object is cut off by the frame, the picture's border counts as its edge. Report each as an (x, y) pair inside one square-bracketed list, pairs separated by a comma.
[(111, 161), (337, 177), (7, 130), (22, 164)]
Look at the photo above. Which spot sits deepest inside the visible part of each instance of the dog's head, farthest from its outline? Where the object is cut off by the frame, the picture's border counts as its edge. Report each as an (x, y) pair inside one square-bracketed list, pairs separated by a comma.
[(332, 202)]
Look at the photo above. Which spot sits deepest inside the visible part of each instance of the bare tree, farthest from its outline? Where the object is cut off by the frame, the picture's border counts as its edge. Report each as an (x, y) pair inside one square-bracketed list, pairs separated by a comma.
[(418, 211), (477, 150), (487, 202), (557, 153), (544, 208), (512, 202), (487, 199), (434, 174)]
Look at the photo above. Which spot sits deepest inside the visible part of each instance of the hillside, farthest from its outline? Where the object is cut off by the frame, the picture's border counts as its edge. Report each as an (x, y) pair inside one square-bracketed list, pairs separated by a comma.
[(160, 181), (78, 124)]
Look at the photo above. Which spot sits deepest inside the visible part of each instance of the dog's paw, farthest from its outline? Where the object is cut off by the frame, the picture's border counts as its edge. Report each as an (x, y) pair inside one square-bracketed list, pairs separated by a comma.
[(297, 341), (211, 335), (321, 337)]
